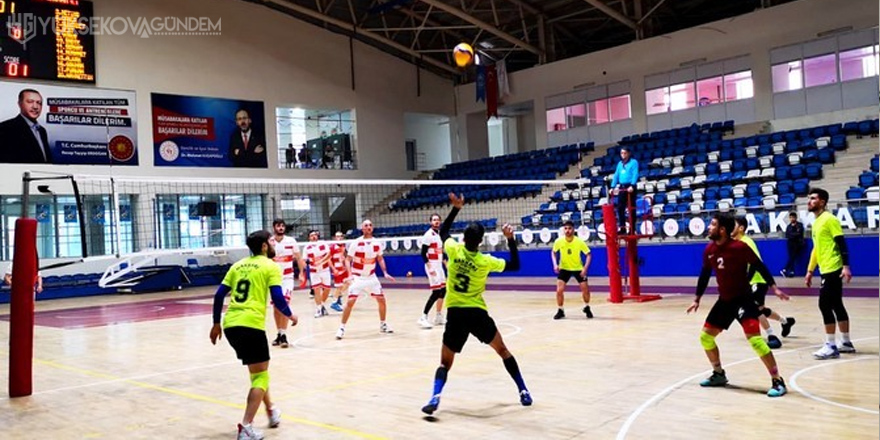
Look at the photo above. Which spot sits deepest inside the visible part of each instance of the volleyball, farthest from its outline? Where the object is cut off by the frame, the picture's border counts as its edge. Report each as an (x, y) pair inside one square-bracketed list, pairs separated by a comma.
[(409, 274), (463, 54)]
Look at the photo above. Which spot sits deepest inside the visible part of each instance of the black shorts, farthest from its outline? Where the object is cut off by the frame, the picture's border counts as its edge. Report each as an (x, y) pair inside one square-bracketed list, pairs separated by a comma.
[(723, 313), (464, 321), (759, 293), (832, 285), (565, 275), (250, 344)]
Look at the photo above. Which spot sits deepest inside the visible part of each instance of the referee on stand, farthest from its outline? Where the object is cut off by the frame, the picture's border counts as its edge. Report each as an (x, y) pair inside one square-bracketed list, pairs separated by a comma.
[(623, 185)]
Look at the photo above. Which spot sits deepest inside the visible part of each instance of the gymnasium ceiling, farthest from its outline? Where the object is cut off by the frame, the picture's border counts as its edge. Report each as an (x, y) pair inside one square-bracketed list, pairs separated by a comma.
[(524, 33)]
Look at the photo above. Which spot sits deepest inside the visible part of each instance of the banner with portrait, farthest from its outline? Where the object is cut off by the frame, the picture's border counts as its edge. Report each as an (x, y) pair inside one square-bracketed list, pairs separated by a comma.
[(190, 131), (67, 125)]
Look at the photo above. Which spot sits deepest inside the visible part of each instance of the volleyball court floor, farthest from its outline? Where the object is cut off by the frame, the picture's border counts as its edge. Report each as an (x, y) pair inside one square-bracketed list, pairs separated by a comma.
[(142, 367)]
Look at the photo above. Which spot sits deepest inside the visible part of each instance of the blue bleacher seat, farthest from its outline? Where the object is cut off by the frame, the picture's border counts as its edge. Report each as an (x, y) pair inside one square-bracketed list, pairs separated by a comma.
[(786, 199), (855, 193), (826, 155), (866, 128), (851, 127), (814, 171), (801, 187), (875, 163), (868, 179)]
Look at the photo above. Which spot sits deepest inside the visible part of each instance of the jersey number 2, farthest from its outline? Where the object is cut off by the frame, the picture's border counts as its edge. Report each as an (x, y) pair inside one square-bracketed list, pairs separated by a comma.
[(462, 283), (241, 291)]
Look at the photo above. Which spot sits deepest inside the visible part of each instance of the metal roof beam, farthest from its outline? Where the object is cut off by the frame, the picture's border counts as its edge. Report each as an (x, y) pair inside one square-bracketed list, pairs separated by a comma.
[(357, 30), (598, 4), (482, 25)]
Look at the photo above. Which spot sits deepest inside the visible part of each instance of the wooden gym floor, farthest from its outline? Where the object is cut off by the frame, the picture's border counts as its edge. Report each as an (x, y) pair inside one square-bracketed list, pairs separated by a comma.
[(142, 367)]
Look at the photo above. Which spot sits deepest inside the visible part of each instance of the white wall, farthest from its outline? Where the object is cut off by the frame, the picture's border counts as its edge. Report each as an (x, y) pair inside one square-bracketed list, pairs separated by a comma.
[(751, 34), (432, 135), (262, 55)]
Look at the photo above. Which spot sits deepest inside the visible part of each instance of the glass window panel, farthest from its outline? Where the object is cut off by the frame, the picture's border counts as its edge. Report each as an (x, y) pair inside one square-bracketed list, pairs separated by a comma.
[(555, 119), (709, 91), (598, 111), (858, 63), (620, 107), (576, 115), (657, 100), (682, 96), (787, 76), (820, 70), (738, 86)]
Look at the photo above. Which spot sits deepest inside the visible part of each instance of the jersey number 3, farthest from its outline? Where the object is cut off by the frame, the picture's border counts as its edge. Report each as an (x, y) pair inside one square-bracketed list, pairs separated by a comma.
[(462, 283), (241, 291)]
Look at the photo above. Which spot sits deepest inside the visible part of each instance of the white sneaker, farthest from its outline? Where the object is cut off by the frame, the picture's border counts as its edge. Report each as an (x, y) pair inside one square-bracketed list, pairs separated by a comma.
[(827, 351), (249, 433), (846, 347), (385, 328), (423, 322), (439, 319), (318, 313), (274, 417), (340, 333)]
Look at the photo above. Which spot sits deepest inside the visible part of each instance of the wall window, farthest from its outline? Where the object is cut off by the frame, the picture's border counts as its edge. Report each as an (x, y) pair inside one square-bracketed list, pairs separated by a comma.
[(682, 96), (657, 100), (555, 119), (709, 91), (858, 63), (576, 115), (598, 112), (620, 107), (738, 86), (820, 70), (787, 76)]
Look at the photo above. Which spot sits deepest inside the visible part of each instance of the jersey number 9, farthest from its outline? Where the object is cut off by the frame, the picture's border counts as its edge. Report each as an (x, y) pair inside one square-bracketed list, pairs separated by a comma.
[(241, 291)]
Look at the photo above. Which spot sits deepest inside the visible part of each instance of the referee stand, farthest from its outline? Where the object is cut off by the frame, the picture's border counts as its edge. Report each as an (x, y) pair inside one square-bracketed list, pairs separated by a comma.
[(612, 243)]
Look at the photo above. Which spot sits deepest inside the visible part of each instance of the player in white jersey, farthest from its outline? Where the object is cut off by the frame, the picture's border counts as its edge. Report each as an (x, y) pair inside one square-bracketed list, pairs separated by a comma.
[(341, 277), (286, 251), (363, 256), (432, 256), (318, 257)]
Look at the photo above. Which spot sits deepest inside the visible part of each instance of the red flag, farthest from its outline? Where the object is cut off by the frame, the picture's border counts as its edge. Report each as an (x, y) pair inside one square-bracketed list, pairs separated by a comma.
[(491, 92)]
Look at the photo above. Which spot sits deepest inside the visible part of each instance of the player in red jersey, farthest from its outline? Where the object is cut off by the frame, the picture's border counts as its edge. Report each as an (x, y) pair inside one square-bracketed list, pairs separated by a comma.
[(432, 256), (318, 257), (286, 253), (730, 259), (363, 257), (341, 277)]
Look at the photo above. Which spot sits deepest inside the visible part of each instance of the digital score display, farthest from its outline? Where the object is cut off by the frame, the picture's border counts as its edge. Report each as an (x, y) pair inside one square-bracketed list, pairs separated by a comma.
[(47, 40)]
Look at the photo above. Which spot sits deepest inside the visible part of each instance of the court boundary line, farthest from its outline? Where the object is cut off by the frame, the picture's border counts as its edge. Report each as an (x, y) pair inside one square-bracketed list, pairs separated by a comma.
[(793, 383), (624, 430), (202, 398)]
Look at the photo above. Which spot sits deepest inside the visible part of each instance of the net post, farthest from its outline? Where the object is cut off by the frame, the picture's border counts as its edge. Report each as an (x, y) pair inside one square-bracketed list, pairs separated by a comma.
[(614, 281), (21, 319), (633, 261)]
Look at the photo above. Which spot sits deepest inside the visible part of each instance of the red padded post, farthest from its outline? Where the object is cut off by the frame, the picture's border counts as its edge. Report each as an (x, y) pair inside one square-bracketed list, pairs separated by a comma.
[(21, 319)]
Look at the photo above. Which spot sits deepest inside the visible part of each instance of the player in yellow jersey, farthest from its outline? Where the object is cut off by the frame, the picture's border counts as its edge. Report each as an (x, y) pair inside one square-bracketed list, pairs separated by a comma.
[(760, 288), (570, 265), (466, 312), (832, 256), (251, 280)]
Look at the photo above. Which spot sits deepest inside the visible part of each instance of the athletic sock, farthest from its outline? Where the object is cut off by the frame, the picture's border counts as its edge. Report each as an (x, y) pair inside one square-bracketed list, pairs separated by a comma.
[(513, 369), (829, 339), (844, 337), (439, 380), (281, 332), (769, 331)]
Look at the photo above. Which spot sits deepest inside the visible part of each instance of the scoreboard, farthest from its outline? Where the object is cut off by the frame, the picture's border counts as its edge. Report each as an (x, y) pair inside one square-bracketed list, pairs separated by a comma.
[(47, 40)]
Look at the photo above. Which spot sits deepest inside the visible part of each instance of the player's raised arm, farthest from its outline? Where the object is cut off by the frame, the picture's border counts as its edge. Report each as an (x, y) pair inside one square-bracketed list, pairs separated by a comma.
[(513, 264), (457, 203)]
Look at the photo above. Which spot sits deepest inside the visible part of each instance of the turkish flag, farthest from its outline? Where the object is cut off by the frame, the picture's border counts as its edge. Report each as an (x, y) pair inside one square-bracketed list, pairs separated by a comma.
[(491, 91)]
